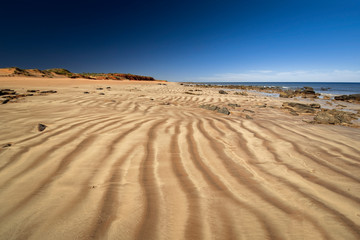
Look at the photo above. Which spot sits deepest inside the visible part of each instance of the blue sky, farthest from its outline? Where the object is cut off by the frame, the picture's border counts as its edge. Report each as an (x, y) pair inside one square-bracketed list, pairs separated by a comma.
[(257, 40)]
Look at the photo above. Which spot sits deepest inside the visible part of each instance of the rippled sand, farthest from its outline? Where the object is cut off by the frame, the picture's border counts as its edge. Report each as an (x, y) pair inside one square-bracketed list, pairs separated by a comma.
[(144, 161)]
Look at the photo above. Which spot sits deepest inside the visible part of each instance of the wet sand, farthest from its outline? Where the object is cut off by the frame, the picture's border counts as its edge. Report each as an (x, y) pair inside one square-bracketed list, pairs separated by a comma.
[(144, 161)]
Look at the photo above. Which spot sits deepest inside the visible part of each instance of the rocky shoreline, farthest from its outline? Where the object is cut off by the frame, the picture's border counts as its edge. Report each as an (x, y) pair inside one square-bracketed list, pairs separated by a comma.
[(304, 92)]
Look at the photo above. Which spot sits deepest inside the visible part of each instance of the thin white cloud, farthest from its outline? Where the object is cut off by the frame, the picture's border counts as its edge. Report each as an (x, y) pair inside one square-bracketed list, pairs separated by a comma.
[(288, 76)]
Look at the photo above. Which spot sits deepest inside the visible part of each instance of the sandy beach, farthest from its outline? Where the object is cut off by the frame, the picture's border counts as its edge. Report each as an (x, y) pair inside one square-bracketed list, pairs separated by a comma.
[(142, 160)]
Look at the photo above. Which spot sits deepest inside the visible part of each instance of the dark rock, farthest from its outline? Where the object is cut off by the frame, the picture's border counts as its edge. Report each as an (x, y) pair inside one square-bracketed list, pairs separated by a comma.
[(351, 97), (308, 90), (5, 101), (247, 110), (33, 91), (191, 93), (101, 93), (292, 112), (223, 110), (49, 91), (315, 105), (233, 105), (108, 88), (209, 107), (41, 127), (222, 92), (7, 92), (99, 88), (286, 94), (86, 92)]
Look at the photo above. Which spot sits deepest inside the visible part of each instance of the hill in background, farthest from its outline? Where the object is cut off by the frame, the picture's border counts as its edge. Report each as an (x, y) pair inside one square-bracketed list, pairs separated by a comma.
[(61, 72)]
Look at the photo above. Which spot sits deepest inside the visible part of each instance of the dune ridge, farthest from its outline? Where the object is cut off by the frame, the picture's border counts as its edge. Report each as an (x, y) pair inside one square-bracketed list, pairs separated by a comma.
[(144, 161)]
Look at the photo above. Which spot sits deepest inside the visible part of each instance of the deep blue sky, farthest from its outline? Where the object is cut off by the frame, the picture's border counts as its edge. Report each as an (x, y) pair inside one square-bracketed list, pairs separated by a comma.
[(252, 40)]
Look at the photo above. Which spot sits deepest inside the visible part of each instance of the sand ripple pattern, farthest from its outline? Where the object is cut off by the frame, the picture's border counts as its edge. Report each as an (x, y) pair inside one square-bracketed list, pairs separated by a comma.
[(133, 168)]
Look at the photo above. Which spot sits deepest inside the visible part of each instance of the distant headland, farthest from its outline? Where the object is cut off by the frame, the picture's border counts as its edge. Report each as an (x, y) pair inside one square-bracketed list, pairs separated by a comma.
[(61, 72)]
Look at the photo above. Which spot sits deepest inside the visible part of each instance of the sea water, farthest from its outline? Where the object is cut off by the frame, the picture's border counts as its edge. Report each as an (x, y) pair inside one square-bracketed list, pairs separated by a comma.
[(331, 88)]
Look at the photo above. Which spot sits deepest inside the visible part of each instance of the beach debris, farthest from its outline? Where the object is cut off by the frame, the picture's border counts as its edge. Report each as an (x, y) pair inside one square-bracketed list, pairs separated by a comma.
[(333, 116), (222, 92), (348, 98), (41, 127), (7, 145), (222, 110)]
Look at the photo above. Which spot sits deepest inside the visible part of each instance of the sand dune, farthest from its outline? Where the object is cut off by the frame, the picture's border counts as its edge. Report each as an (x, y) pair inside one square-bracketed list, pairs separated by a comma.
[(144, 161)]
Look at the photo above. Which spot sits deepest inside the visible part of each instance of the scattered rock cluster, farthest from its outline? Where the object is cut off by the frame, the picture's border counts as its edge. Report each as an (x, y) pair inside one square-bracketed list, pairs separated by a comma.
[(222, 110), (296, 108), (322, 116), (333, 116), (9, 94), (305, 92)]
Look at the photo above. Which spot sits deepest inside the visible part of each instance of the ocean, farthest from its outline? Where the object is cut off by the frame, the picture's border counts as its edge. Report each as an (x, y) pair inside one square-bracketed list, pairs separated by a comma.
[(331, 88)]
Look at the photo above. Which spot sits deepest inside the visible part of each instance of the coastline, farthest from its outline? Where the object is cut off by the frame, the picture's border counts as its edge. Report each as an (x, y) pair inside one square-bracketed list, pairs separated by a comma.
[(135, 159), (331, 88)]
